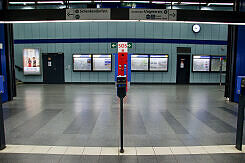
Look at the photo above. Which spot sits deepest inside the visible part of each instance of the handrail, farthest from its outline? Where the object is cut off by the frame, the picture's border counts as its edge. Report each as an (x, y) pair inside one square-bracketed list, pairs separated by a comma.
[(19, 68)]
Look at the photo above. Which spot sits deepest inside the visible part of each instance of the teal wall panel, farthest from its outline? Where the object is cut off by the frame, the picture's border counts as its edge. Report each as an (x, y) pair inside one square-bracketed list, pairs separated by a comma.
[(131, 28), (106, 30)]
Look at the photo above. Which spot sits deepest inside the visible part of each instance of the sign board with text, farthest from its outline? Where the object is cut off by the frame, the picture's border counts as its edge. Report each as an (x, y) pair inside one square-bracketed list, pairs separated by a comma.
[(88, 14), (113, 45), (152, 14), (130, 45), (122, 47)]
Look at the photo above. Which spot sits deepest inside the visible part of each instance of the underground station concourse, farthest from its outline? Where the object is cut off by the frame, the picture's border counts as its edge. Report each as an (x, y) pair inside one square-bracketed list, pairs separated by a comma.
[(122, 81)]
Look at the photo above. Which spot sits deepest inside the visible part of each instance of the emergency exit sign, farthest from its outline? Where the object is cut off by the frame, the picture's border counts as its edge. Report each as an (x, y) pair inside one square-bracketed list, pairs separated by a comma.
[(128, 45), (113, 45)]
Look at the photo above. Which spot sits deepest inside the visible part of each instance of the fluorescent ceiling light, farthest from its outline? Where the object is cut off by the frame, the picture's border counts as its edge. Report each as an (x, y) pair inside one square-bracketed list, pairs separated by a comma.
[(79, 1), (193, 3), (21, 3), (106, 1), (137, 1), (50, 2), (221, 4), (160, 2), (189, 3), (28, 7)]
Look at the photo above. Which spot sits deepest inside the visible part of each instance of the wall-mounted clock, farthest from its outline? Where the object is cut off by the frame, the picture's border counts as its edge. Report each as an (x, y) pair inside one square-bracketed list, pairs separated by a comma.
[(196, 28)]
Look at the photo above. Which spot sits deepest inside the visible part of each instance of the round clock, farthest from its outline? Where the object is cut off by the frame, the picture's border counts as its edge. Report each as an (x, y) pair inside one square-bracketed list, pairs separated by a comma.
[(196, 28)]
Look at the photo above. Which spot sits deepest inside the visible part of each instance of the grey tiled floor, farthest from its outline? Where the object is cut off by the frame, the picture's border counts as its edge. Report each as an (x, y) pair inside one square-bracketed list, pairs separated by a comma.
[(88, 115)]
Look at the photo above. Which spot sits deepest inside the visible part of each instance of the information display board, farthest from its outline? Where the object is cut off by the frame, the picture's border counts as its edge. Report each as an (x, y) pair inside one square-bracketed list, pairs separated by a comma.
[(158, 62), (224, 64), (215, 63), (201, 64), (102, 62), (81, 62), (139, 62), (31, 61)]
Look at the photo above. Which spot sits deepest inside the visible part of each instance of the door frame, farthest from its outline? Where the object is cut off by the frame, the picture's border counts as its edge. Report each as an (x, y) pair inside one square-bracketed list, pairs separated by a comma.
[(177, 67), (44, 73)]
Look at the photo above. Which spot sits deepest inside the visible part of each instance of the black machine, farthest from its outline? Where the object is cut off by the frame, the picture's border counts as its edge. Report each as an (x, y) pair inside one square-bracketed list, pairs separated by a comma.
[(121, 93), (243, 87), (240, 118), (121, 86)]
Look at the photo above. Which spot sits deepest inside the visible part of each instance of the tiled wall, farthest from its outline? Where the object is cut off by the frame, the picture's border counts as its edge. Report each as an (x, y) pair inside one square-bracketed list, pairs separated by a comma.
[(120, 30)]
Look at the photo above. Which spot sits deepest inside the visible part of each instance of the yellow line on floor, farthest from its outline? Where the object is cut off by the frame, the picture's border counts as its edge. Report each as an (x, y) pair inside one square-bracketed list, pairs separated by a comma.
[(70, 150)]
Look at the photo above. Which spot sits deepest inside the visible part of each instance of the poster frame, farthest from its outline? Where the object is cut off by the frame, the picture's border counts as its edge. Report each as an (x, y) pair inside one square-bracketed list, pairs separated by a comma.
[(101, 70), (158, 70), (40, 62), (201, 71), (81, 70)]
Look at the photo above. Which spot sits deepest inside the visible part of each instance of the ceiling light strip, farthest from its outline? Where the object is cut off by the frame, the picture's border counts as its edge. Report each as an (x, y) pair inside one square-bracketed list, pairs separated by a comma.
[(21, 3), (221, 4), (50, 2), (151, 21)]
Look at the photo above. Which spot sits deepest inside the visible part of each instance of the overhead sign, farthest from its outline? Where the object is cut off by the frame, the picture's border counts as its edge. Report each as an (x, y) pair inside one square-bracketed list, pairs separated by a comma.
[(152, 14), (88, 14), (130, 44), (113, 45), (1, 46), (122, 47)]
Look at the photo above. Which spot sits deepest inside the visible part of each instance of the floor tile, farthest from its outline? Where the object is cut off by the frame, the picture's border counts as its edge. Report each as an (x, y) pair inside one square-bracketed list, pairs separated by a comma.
[(57, 150), (162, 150), (147, 159), (74, 151), (145, 151), (229, 149), (8, 149), (40, 149), (23, 149), (213, 149), (90, 159), (166, 159), (128, 159), (92, 151), (185, 159), (129, 151), (197, 150), (180, 150), (109, 151), (71, 159)]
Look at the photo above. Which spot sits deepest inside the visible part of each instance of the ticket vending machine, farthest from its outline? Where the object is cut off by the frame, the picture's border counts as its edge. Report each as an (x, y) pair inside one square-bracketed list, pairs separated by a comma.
[(240, 118)]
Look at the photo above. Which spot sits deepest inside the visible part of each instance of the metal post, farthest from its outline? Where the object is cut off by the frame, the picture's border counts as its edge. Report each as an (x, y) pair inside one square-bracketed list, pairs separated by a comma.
[(220, 74), (240, 119), (2, 133), (121, 124)]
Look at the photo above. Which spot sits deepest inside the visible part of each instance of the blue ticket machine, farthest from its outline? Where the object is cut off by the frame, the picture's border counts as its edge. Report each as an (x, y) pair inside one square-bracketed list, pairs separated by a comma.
[(240, 85), (2, 132), (240, 118)]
